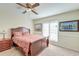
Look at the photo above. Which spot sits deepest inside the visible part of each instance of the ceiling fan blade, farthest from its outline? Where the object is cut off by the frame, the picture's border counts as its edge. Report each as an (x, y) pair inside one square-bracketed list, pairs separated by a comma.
[(28, 5), (35, 5), (24, 12), (21, 5), (34, 12)]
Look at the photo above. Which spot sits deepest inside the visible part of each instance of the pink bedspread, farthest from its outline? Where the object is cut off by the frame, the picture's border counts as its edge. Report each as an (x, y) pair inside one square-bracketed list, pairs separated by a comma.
[(24, 41)]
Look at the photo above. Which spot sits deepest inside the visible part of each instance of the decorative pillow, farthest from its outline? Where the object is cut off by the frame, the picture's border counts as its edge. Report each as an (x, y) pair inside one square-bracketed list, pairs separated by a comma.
[(17, 33), (25, 33)]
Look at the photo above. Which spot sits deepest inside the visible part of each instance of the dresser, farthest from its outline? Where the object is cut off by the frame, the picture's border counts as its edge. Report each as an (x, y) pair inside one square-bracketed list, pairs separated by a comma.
[(5, 44)]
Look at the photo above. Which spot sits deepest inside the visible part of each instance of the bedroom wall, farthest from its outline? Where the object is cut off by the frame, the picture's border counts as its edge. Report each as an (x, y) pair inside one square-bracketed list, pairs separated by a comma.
[(68, 40), (11, 17)]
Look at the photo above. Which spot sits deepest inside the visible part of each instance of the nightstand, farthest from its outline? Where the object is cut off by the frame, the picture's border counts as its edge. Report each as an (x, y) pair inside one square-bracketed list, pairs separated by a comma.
[(5, 44)]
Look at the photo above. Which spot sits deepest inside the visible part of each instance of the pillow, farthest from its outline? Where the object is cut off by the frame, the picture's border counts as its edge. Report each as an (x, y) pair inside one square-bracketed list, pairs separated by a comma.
[(17, 33), (25, 33)]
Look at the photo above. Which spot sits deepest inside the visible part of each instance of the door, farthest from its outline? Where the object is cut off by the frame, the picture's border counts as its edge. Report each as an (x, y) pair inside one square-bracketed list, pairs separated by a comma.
[(53, 31), (45, 29)]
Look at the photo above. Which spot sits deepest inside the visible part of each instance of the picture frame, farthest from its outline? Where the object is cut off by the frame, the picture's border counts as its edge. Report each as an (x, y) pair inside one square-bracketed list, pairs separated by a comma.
[(71, 26), (38, 27)]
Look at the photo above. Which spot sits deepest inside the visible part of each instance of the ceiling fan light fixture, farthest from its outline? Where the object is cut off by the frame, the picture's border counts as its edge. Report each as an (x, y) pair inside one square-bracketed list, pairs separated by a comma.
[(28, 10)]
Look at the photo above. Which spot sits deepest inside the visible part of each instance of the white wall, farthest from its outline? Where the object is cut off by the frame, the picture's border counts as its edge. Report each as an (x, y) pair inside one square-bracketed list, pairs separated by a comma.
[(66, 39), (11, 17)]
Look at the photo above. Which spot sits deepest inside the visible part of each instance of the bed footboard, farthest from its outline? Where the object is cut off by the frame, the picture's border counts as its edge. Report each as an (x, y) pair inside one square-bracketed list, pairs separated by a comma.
[(36, 47)]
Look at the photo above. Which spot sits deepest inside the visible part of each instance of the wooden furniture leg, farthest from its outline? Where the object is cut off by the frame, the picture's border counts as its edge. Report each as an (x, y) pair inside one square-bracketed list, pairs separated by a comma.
[(47, 42)]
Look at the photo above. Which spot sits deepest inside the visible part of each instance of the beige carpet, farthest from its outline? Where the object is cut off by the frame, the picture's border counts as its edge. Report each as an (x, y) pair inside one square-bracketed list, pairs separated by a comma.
[(50, 51)]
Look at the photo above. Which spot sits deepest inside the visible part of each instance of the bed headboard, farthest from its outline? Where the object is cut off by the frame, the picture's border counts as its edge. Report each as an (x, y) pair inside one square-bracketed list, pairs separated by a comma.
[(19, 29)]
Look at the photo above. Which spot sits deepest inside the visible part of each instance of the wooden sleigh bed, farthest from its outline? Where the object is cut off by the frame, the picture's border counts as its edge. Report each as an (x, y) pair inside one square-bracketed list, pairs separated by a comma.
[(29, 44)]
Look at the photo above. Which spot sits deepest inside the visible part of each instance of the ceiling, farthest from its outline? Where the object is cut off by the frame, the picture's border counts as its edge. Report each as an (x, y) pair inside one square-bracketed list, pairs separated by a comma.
[(44, 10), (48, 9)]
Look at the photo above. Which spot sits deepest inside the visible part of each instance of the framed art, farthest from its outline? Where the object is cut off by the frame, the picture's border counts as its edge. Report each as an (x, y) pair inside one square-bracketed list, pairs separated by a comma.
[(38, 27), (69, 25)]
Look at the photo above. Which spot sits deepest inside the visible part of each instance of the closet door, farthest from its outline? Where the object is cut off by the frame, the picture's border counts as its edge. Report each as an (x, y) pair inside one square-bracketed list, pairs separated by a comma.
[(53, 31)]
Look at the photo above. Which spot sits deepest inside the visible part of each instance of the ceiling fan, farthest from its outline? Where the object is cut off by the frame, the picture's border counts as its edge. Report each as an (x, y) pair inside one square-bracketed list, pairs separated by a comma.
[(29, 6)]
